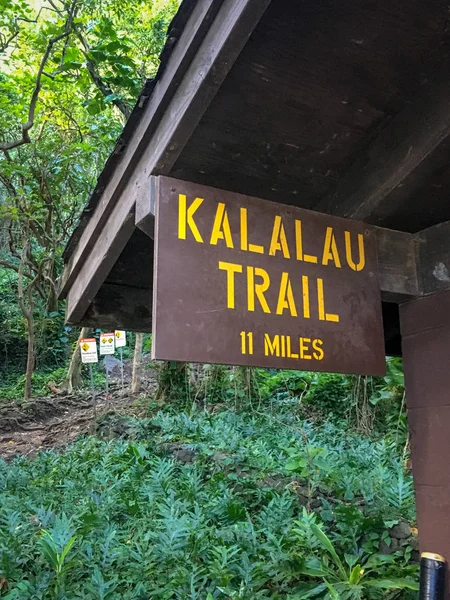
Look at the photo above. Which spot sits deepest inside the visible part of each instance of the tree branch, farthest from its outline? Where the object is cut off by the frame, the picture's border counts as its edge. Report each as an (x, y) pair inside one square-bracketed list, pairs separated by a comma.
[(101, 85), (14, 252), (20, 291), (25, 139), (105, 89), (8, 265), (6, 181), (5, 42), (55, 8)]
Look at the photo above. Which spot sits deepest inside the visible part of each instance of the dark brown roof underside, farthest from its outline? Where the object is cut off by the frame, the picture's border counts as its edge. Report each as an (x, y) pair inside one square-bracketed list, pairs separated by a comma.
[(314, 86)]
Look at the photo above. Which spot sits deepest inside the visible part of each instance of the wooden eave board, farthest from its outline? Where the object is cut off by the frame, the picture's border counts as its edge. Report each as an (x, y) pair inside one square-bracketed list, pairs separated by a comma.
[(175, 29)]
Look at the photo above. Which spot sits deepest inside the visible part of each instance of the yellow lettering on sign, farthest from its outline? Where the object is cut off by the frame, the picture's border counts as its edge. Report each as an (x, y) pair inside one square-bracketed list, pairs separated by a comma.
[(231, 270), (244, 235), (283, 346), (290, 354), (324, 316), (299, 245), (185, 218), (330, 251), (286, 297), (271, 347), (320, 299), (279, 241), (221, 228), (305, 291), (318, 351), (304, 348), (298, 240), (257, 289), (348, 252)]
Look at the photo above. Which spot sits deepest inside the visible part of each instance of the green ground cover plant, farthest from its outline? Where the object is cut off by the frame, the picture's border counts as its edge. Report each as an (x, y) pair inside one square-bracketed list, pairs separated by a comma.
[(208, 505)]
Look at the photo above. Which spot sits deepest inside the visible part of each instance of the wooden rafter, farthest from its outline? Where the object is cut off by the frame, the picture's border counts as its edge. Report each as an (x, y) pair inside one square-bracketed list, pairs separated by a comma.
[(407, 142)]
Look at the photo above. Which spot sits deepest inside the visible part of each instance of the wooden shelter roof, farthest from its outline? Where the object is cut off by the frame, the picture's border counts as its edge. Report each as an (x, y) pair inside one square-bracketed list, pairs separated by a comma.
[(339, 107)]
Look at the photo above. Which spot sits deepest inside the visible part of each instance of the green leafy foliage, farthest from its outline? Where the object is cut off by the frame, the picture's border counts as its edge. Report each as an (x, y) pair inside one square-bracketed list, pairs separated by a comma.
[(349, 577), (70, 73), (205, 505), (11, 387)]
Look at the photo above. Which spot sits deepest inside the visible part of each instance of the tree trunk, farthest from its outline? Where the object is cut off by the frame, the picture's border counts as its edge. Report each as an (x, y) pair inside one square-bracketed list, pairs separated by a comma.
[(136, 377), (73, 379), (27, 312), (30, 355)]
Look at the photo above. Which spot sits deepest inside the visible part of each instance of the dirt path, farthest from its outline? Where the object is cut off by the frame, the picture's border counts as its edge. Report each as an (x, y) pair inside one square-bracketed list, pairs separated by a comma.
[(53, 421)]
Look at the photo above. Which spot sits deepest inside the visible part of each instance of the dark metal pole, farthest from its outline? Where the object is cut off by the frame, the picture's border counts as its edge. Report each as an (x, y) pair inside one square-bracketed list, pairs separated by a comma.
[(432, 576), (121, 367), (94, 405), (106, 384)]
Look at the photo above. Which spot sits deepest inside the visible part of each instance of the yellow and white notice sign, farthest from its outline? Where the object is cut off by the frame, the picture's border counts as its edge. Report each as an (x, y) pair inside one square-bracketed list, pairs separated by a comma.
[(121, 338), (107, 343), (88, 348)]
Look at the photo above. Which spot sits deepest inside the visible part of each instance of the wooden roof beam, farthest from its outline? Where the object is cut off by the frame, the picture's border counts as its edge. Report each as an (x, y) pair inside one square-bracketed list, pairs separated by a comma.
[(120, 307), (170, 118), (397, 265), (406, 143), (433, 251)]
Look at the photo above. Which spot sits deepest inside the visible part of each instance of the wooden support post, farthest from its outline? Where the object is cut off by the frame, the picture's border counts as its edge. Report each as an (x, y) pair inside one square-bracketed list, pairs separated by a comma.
[(425, 325)]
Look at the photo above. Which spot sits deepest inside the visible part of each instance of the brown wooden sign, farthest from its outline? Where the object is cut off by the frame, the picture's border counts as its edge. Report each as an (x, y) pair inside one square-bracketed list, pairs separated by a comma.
[(244, 281)]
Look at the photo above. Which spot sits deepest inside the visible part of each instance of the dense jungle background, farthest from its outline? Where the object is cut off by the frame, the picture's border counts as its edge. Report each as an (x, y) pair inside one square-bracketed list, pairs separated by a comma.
[(184, 481)]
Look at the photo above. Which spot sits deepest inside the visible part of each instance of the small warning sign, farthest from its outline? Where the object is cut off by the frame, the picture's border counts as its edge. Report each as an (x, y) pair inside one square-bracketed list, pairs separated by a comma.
[(88, 348), (121, 338), (107, 343)]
